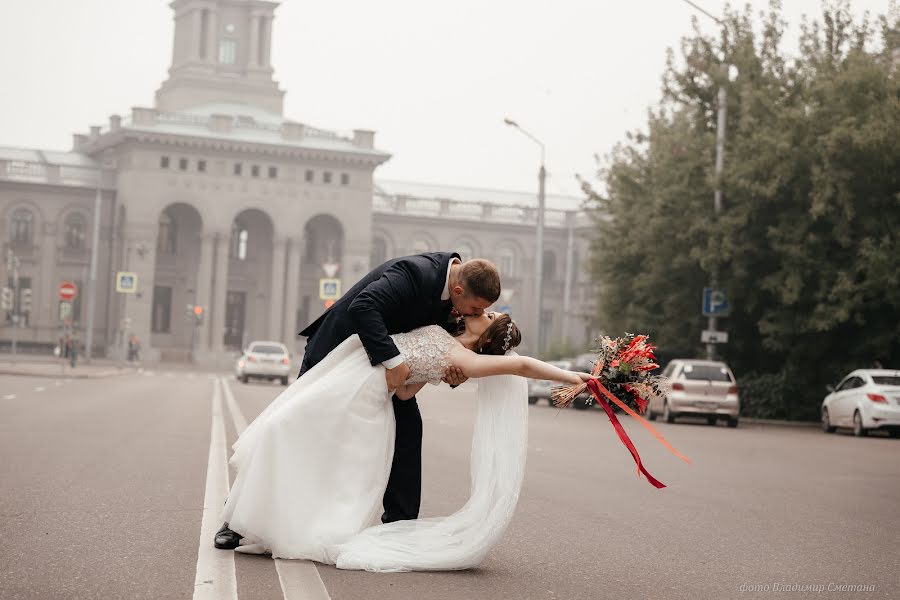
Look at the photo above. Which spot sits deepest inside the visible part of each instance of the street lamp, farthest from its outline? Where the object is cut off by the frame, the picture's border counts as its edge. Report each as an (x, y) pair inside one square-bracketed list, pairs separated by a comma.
[(720, 161), (539, 241)]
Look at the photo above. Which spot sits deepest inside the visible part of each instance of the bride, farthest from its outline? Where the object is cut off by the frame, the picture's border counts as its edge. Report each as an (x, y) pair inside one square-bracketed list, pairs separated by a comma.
[(312, 468)]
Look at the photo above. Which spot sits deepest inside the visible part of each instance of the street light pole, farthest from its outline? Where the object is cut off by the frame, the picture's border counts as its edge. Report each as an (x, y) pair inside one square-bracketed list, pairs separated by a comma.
[(539, 241), (722, 99)]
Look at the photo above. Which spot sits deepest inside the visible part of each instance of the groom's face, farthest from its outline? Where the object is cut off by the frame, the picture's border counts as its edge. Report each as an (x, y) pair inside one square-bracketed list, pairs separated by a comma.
[(467, 305)]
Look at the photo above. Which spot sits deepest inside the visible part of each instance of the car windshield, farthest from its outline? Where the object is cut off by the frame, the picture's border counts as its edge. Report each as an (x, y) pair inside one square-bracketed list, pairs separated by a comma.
[(263, 349), (886, 379), (706, 373)]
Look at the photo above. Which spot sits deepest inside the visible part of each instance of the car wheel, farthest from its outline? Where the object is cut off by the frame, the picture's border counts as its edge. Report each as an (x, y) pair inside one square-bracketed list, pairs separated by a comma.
[(668, 415), (827, 427), (581, 404), (732, 422), (531, 400), (894, 433), (711, 421), (284, 381), (858, 429)]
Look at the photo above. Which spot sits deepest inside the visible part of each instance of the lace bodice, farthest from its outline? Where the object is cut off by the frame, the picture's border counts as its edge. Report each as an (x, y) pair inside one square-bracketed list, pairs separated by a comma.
[(427, 352)]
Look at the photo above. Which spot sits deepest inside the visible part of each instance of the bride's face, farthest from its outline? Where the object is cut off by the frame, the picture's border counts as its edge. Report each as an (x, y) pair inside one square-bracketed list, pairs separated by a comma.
[(476, 324)]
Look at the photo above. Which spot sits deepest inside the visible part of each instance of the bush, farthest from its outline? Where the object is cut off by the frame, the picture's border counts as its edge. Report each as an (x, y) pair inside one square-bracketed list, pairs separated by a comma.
[(776, 396)]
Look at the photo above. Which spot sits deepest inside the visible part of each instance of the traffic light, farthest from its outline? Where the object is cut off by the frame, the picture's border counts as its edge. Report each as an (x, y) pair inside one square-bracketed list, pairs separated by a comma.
[(198, 314), (26, 301), (6, 299)]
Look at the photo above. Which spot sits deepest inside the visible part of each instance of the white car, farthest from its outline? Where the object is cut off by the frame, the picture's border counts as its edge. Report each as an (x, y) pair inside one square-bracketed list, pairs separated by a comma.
[(540, 389), (866, 400), (264, 360)]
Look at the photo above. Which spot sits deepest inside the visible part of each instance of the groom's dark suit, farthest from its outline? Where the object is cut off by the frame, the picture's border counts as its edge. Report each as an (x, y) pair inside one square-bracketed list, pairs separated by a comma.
[(400, 295)]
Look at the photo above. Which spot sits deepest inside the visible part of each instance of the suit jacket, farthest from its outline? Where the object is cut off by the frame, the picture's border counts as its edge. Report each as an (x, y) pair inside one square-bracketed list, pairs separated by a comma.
[(400, 295)]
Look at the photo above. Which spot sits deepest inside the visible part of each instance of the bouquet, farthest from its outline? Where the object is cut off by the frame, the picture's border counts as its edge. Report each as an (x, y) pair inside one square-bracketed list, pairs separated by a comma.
[(623, 366), (622, 376)]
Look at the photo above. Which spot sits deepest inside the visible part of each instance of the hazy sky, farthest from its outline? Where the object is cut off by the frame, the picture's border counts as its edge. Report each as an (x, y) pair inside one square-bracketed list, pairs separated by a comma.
[(433, 79)]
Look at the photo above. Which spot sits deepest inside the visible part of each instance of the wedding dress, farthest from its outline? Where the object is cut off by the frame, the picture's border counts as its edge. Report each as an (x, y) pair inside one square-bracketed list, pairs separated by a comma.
[(313, 467)]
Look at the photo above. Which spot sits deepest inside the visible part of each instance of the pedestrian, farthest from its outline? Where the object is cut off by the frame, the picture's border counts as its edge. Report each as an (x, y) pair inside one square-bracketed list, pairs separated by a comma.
[(73, 351)]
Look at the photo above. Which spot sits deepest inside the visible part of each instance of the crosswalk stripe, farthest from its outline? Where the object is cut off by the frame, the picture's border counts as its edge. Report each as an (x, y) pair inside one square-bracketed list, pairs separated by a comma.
[(299, 579), (215, 578)]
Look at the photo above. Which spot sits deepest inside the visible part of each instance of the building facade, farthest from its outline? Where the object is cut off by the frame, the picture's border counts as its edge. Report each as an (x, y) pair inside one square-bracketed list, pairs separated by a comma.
[(213, 199)]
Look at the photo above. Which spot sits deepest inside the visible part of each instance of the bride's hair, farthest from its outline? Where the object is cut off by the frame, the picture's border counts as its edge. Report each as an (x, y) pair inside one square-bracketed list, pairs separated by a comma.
[(501, 335)]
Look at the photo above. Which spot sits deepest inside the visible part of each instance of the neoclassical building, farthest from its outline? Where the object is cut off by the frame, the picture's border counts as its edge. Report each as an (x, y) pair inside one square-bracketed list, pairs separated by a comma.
[(213, 198)]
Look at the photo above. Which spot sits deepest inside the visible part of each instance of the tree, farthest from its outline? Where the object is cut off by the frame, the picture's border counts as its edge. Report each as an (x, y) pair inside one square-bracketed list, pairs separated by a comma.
[(806, 245)]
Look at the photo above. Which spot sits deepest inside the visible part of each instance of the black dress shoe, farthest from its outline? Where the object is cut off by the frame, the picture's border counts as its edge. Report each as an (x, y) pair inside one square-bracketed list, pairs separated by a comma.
[(227, 539)]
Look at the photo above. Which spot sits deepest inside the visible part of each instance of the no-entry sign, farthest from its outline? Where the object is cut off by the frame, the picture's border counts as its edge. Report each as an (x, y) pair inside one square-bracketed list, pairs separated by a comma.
[(67, 290)]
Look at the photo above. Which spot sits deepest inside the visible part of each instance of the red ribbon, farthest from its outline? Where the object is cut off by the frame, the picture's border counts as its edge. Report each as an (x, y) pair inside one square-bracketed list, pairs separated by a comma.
[(598, 391)]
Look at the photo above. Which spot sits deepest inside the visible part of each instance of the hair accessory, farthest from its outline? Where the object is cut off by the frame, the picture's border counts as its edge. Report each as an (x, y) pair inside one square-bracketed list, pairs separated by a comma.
[(508, 338)]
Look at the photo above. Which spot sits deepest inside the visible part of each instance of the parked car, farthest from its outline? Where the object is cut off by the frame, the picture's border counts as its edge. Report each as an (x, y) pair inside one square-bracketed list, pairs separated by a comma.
[(539, 389), (264, 360), (700, 388), (866, 400)]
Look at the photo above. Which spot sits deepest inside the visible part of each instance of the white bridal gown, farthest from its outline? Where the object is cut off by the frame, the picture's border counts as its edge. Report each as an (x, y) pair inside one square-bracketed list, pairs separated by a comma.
[(313, 467)]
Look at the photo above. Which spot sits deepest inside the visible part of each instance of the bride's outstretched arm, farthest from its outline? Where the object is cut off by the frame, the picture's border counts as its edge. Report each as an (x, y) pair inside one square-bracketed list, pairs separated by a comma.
[(484, 365)]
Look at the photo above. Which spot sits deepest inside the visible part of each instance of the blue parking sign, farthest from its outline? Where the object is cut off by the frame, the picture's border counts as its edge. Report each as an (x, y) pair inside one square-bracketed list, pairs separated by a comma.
[(715, 303)]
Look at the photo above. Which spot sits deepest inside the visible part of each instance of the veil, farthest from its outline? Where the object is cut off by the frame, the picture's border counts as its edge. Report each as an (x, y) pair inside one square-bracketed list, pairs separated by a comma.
[(463, 539)]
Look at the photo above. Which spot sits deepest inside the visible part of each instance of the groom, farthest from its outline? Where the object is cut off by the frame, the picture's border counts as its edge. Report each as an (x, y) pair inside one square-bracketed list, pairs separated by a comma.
[(433, 288)]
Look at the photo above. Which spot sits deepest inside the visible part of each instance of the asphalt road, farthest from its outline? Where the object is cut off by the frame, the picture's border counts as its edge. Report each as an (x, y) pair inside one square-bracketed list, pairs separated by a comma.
[(103, 484)]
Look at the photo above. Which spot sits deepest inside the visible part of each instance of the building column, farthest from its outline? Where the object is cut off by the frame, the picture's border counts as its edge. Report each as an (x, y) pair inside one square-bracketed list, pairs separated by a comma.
[(212, 36), (276, 298), (137, 306), (203, 296), (44, 303), (197, 25), (266, 34), (218, 295), (292, 292), (254, 40)]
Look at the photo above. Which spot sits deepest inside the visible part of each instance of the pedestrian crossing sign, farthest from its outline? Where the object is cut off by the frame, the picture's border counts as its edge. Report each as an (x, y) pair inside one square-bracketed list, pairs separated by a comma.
[(126, 282), (329, 289)]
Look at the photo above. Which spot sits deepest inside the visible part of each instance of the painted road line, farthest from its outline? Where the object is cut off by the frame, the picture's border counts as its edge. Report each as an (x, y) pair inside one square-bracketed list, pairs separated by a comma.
[(299, 579), (9, 397), (39, 388), (215, 577)]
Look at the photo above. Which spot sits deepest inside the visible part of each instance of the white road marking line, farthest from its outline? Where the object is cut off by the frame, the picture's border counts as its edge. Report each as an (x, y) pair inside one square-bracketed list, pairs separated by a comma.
[(170, 374), (9, 397), (299, 579), (39, 389), (237, 417), (215, 577)]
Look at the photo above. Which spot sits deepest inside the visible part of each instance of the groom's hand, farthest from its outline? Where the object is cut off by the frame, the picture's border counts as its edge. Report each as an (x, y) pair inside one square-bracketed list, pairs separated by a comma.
[(454, 376), (397, 376)]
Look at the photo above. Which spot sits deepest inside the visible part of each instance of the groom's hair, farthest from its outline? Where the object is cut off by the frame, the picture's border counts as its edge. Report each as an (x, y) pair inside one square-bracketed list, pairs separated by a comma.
[(480, 278)]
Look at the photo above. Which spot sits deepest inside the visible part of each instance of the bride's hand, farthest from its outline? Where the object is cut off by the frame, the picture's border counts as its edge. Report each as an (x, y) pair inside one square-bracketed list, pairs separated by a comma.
[(581, 377)]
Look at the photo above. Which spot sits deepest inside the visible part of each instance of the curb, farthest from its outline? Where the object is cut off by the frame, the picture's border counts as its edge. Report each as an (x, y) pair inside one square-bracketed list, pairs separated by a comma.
[(69, 375), (781, 423)]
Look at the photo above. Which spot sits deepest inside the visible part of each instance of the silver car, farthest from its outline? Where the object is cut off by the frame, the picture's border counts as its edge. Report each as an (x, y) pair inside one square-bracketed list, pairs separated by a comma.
[(539, 389), (264, 360), (866, 400), (700, 388)]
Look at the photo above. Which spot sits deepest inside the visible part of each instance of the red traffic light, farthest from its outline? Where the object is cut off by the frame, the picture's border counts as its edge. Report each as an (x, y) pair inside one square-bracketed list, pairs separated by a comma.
[(198, 310)]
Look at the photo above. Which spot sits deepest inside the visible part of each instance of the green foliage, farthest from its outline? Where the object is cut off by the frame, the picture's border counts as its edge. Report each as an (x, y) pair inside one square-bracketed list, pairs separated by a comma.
[(806, 245)]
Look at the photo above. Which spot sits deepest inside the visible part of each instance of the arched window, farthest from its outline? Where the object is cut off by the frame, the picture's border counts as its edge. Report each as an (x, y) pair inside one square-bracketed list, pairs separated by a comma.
[(465, 251), (549, 265), (418, 246), (166, 235), (75, 228), (239, 239), (379, 251), (506, 262), (22, 233)]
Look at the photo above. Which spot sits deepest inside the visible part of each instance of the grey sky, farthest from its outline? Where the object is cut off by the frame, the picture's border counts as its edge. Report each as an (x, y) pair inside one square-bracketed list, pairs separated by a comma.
[(433, 79)]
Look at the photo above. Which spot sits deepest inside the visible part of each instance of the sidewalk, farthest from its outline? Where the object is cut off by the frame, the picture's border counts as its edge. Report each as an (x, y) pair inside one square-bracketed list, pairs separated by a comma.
[(36, 366)]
